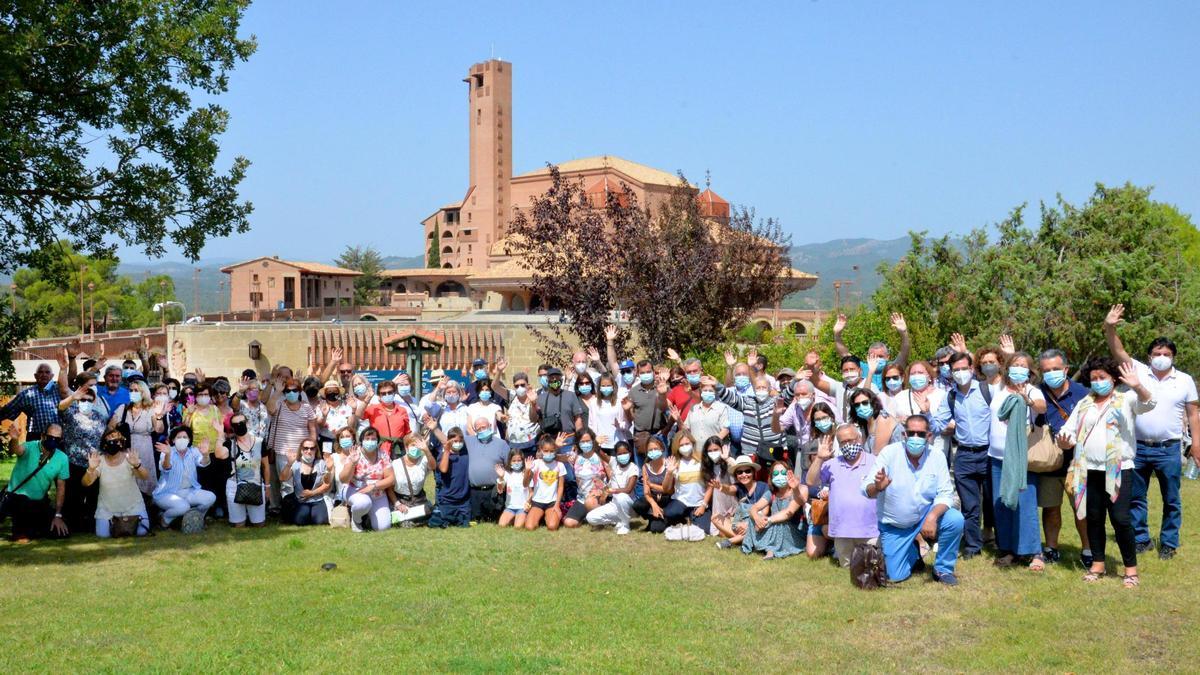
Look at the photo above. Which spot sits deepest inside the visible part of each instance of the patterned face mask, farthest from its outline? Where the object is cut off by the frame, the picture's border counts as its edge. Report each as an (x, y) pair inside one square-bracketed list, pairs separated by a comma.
[(851, 451)]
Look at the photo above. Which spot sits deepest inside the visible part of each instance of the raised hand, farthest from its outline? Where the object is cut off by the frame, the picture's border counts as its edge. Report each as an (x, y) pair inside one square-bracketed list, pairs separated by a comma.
[(825, 448), (673, 410), (1129, 375), (63, 358), (898, 322), (730, 359), (780, 406), (812, 359), (204, 442), (672, 354), (752, 358), (428, 422), (805, 374), (200, 374), (610, 332), (661, 386), (593, 354), (132, 458), (627, 404), (958, 343), (1114, 315), (354, 456), (1006, 344), (162, 448), (1064, 440), (560, 441), (707, 379), (93, 460), (335, 355), (501, 364), (499, 471), (793, 481), (882, 481), (839, 324), (672, 464), (292, 456)]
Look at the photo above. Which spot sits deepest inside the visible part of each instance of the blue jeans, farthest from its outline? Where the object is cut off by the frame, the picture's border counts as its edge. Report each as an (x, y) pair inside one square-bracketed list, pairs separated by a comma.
[(1017, 530), (900, 545), (971, 481), (1166, 465)]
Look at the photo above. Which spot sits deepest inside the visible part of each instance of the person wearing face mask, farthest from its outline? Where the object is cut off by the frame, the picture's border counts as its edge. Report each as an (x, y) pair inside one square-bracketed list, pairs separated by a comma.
[(294, 420), (311, 480), (892, 389), (40, 464), (248, 402), (590, 475), (408, 492), (391, 417), (1160, 434), (335, 411), (141, 421), (777, 518), (582, 363), (714, 470), (485, 450), (654, 496), (488, 406), (616, 508), (84, 420), (797, 415), (852, 378), (991, 361), (922, 397), (646, 404), (510, 486), (685, 387), (39, 403), (204, 418), (913, 494), (968, 408), (709, 417), (1062, 395), (606, 415), (747, 492), (1014, 487), (878, 427), (545, 481), (1102, 431), (117, 469), (877, 353), (362, 391), (522, 427), (179, 490), (943, 376), (113, 391), (452, 413), (852, 518), (368, 477), (687, 514), (759, 437), (453, 497), (248, 466)]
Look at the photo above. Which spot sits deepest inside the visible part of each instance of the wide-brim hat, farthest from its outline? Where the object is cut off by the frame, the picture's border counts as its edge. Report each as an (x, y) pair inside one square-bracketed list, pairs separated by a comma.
[(744, 461), (334, 384)]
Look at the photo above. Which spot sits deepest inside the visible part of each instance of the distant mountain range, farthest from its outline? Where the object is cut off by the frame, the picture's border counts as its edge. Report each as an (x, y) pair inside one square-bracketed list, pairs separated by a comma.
[(830, 261)]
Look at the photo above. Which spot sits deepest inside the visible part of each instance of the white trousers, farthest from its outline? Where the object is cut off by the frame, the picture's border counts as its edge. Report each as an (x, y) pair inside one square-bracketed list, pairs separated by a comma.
[(239, 512), (617, 511), (175, 504), (362, 504)]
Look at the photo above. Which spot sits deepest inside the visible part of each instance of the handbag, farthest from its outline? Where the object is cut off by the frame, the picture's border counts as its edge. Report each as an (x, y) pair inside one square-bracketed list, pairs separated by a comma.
[(818, 511), (867, 570), (1044, 454), (124, 526), (6, 497), (245, 492), (339, 516)]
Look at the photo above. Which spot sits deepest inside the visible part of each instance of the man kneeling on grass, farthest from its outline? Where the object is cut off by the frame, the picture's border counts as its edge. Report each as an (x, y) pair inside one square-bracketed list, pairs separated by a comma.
[(913, 493)]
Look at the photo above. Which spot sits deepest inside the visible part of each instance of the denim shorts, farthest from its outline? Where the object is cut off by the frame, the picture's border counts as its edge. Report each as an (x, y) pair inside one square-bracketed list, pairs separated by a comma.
[(515, 512)]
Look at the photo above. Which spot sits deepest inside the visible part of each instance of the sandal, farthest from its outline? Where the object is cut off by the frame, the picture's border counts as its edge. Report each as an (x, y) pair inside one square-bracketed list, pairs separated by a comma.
[(1037, 564), (1005, 560), (1130, 581), (1092, 577)]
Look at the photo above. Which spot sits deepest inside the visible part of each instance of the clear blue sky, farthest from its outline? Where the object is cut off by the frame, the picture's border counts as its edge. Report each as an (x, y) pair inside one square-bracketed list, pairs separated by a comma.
[(841, 119)]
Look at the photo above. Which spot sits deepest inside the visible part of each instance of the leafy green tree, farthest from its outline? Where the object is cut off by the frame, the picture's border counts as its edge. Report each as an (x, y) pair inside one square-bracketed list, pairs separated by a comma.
[(434, 257), (101, 143), (367, 260)]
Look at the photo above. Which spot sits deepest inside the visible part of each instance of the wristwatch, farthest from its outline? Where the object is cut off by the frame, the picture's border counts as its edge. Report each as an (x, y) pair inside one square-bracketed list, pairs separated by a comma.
[(58, 515)]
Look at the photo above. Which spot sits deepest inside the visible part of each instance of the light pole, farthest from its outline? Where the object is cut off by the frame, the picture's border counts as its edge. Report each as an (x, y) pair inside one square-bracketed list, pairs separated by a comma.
[(82, 326), (162, 289), (221, 297), (162, 308), (92, 307)]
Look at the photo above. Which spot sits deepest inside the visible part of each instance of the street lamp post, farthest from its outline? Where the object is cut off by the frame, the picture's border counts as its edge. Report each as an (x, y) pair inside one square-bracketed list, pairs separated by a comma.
[(221, 297), (82, 326), (92, 308), (162, 289)]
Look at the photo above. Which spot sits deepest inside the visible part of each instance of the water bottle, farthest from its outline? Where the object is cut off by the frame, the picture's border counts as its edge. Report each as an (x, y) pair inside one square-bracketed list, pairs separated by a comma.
[(1193, 469)]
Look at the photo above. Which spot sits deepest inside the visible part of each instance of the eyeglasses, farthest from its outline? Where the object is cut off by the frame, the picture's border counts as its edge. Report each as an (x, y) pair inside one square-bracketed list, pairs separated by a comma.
[(308, 447), (743, 472), (291, 391), (346, 372), (917, 434)]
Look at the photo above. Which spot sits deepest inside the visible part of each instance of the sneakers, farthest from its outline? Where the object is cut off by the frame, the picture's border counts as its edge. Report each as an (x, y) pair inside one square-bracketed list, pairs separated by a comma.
[(724, 543), (948, 578), (622, 529), (1144, 546), (1051, 555), (1166, 553), (1086, 559)]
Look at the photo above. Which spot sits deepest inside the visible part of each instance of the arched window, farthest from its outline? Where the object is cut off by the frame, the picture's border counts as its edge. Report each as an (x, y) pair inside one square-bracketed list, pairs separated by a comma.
[(447, 249)]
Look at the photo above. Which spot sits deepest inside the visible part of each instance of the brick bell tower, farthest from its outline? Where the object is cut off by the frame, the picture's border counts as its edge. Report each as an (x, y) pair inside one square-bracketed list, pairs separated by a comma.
[(489, 104)]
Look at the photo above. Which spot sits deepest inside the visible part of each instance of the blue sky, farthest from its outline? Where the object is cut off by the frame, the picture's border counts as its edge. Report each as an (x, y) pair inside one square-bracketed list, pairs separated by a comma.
[(841, 119)]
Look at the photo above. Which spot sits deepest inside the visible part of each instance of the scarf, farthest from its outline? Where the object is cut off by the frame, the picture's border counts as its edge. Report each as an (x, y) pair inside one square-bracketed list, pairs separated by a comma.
[(1015, 467), (1110, 417)]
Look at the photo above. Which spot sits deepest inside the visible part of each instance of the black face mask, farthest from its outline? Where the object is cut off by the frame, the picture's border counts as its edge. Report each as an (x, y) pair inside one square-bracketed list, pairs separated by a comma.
[(189, 382), (239, 428), (332, 397), (312, 392), (51, 443), (111, 447)]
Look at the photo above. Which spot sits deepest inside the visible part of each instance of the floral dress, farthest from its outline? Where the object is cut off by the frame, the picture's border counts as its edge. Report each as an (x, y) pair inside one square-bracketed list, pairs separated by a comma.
[(779, 539), (82, 430)]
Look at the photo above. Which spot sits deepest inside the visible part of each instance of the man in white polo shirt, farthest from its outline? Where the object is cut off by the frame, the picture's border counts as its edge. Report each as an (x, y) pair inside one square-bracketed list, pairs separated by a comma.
[(1159, 436)]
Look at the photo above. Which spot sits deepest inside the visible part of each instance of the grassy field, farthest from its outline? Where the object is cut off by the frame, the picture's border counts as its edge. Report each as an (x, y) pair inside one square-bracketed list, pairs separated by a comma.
[(484, 599)]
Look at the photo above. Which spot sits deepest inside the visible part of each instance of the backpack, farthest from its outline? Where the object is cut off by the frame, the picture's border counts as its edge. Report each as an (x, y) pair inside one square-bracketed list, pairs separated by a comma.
[(867, 570)]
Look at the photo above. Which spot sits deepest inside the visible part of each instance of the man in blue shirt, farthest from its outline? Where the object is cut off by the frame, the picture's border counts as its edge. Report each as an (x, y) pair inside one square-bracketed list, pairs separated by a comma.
[(39, 403), (968, 407), (1062, 395), (878, 353), (913, 494), (113, 392)]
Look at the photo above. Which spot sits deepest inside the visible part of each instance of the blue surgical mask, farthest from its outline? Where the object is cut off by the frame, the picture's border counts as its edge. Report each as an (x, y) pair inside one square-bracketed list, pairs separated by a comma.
[(606, 390), (708, 396), (653, 455), (415, 451), (585, 389), (586, 446), (1054, 378), (915, 445), (823, 425), (1018, 374), (693, 379), (517, 466), (864, 411), (85, 407), (779, 480), (646, 378), (480, 374), (404, 389), (741, 381), (345, 442), (457, 445), (627, 378), (893, 384), (452, 398), (623, 460), (918, 381), (485, 396), (291, 396), (360, 390), (944, 371), (484, 435), (370, 445), (387, 398), (1102, 387), (543, 381), (549, 457)]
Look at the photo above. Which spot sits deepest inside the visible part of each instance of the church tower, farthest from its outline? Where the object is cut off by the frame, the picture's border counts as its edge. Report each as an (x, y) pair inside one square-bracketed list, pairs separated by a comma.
[(486, 207)]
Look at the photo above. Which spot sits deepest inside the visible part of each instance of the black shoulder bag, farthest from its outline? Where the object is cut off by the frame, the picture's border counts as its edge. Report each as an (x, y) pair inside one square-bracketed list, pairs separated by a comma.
[(6, 497)]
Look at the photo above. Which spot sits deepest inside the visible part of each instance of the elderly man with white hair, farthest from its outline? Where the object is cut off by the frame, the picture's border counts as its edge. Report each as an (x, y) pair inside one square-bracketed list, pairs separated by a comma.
[(486, 450), (796, 416), (452, 412)]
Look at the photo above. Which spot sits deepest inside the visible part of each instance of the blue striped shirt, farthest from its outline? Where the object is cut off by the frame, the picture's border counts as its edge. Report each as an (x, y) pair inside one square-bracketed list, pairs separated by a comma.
[(40, 405), (182, 474)]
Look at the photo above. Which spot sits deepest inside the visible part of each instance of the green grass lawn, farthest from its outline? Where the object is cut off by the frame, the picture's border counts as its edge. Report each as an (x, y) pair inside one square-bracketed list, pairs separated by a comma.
[(484, 599)]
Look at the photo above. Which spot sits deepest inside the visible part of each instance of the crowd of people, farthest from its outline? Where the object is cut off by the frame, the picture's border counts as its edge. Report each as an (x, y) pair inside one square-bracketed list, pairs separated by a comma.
[(912, 456)]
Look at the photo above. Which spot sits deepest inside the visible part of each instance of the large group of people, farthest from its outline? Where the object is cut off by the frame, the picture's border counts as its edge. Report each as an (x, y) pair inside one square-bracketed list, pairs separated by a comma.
[(912, 456)]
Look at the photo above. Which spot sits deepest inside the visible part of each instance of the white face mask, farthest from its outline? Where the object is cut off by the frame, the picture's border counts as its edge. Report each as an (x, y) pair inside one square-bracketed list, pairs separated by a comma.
[(1161, 363), (181, 443), (804, 403), (963, 377), (714, 455), (685, 451), (580, 368)]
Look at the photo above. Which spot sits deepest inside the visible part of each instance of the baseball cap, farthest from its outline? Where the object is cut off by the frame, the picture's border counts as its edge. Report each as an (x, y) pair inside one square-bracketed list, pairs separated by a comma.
[(628, 364)]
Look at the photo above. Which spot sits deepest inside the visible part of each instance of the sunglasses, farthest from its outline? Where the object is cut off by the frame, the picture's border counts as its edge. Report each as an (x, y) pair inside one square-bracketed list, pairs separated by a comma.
[(346, 372), (917, 434), (291, 391), (308, 447), (779, 473), (743, 472)]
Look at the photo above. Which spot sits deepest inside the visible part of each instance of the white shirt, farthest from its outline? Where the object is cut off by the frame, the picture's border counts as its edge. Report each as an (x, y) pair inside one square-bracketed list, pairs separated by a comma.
[(1123, 411), (999, 430), (1172, 394), (619, 475), (516, 492), (480, 409), (704, 422), (607, 420), (416, 474)]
